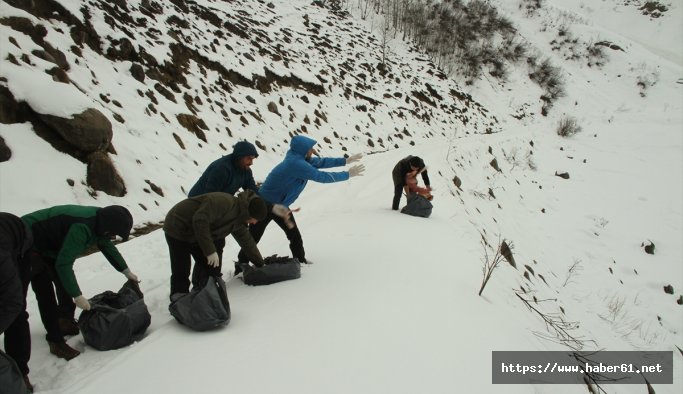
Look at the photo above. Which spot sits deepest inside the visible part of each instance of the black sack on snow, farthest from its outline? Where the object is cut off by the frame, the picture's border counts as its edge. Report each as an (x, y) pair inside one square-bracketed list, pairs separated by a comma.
[(11, 379), (115, 319), (417, 206), (203, 308), (276, 269)]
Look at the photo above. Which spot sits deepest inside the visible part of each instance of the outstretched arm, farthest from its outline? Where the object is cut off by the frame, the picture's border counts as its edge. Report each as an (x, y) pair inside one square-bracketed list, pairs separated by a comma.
[(327, 162)]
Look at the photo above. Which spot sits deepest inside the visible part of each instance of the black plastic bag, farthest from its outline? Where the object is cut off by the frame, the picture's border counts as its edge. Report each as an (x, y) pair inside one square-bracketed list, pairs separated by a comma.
[(276, 269), (417, 206), (11, 379), (115, 320), (203, 308)]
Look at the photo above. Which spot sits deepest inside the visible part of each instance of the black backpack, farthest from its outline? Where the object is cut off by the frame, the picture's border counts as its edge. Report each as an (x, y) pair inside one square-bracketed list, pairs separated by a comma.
[(203, 308), (276, 269), (115, 320), (11, 379), (417, 206)]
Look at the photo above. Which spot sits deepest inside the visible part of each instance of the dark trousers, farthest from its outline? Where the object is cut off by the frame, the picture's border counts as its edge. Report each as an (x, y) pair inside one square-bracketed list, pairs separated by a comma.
[(18, 334), (53, 300), (180, 252), (399, 183), (296, 243)]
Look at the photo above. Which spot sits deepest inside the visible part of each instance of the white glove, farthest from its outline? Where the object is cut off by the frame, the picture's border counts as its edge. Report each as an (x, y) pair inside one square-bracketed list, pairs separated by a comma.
[(285, 213), (281, 210), (356, 170), (354, 158), (82, 303), (131, 276), (212, 259)]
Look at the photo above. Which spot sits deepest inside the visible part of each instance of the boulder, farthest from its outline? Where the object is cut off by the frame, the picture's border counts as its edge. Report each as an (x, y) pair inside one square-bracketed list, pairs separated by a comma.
[(102, 175), (88, 131), (5, 151)]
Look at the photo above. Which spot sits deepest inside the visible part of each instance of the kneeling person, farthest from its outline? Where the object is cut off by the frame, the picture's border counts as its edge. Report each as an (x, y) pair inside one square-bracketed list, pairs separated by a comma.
[(197, 226)]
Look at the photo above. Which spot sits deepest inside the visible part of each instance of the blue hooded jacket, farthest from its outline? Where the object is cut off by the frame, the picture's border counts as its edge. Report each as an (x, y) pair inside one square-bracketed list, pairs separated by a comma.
[(224, 175), (288, 179)]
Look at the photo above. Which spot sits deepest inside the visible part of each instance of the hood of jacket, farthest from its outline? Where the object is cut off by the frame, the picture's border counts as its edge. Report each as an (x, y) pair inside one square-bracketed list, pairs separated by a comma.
[(245, 197), (300, 145)]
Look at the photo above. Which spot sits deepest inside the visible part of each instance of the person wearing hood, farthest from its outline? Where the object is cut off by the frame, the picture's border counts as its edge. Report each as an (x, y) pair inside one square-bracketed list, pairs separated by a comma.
[(229, 173), (285, 183), (196, 228), (61, 234), (15, 274)]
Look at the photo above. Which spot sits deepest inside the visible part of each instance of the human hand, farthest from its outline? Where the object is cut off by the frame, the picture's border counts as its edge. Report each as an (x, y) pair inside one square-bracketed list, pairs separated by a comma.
[(356, 170), (131, 276), (354, 158), (212, 259), (82, 303)]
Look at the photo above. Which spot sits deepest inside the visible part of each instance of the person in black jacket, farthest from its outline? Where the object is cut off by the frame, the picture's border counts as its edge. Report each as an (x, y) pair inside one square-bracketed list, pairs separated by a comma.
[(229, 173), (15, 275), (403, 167)]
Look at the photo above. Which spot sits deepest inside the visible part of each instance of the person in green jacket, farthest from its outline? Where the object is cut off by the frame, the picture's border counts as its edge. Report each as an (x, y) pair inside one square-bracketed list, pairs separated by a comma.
[(197, 226), (61, 234)]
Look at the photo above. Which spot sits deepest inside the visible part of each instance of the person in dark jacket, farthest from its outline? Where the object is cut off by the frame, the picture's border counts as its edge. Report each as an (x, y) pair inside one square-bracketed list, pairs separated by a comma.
[(61, 234), (398, 174), (229, 173), (15, 274), (285, 183), (197, 226)]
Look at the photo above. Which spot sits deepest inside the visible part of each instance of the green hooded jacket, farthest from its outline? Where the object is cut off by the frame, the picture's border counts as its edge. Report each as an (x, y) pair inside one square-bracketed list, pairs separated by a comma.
[(63, 233), (204, 218)]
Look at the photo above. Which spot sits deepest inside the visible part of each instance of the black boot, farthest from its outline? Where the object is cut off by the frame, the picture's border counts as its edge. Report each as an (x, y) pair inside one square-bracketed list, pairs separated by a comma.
[(62, 350), (68, 326)]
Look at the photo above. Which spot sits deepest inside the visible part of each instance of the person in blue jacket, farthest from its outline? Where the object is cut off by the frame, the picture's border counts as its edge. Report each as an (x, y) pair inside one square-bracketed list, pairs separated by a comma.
[(285, 183), (229, 173)]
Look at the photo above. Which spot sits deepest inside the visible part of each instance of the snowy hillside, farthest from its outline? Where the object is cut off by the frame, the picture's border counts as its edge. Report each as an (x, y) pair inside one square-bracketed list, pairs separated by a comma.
[(391, 303)]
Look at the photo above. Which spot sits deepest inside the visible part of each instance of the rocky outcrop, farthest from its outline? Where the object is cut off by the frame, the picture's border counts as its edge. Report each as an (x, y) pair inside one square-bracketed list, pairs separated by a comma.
[(88, 131), (102, 175)]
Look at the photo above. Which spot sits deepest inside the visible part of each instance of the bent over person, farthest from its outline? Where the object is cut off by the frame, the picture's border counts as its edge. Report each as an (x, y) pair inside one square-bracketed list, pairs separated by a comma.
[(285, 183), (62, 234), (197, 226), (398, 174), (15, 274)]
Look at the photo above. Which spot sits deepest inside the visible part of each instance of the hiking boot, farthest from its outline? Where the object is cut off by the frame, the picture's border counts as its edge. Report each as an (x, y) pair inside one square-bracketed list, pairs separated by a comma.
[(28, 384), (62, 350), (68, 326)]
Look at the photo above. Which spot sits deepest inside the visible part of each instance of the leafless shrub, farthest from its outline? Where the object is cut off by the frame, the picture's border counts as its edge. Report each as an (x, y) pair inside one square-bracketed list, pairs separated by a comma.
[(531, 6), (549, 78), (572, 271), (560, 329), (491, 263), (568, 127)]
